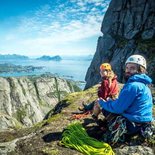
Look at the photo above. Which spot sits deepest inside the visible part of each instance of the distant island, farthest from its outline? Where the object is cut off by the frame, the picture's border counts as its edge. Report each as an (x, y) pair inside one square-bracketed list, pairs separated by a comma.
[(49, 58), (13, 57), (11, 68)]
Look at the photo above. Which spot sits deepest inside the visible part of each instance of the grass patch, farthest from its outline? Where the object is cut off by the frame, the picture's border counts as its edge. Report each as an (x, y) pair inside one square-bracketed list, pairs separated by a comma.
[(53, 118), (50, 151)]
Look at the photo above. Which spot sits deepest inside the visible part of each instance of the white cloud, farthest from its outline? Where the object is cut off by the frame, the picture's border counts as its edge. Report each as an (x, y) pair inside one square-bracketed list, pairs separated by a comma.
[(49, 29)]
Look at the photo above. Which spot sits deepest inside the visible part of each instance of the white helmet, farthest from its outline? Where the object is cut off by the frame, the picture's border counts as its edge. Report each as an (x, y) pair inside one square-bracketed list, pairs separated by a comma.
[(136, 59)]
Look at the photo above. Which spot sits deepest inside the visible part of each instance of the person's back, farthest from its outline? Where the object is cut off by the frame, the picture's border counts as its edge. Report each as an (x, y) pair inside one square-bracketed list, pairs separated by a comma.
[(137, 97)]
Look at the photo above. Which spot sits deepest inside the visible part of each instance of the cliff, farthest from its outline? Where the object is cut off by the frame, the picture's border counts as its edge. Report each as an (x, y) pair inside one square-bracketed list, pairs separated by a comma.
[(25, 101), (128, 28)]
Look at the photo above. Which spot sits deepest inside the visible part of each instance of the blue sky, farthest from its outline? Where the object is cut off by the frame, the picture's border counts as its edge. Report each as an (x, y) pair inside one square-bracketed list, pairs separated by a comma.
[(50, 27)]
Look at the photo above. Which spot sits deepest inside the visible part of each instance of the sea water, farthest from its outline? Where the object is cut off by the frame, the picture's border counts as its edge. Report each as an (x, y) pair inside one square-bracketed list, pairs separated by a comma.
[(74, 69)]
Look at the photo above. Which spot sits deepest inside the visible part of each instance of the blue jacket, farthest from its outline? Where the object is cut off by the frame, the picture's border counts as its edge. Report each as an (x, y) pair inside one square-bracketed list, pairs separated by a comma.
[(134, 101)]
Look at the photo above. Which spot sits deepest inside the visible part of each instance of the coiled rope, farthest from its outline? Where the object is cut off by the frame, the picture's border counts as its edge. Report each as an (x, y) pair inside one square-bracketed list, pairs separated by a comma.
[(76, 137)]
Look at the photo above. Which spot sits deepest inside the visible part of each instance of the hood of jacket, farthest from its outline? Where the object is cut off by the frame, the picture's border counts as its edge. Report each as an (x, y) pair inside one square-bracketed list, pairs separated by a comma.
[(140, 78)]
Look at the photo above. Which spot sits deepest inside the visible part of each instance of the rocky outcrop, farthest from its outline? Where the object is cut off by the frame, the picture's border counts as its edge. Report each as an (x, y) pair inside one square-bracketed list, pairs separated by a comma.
[(26, 100), (44, 138), (128, 28)]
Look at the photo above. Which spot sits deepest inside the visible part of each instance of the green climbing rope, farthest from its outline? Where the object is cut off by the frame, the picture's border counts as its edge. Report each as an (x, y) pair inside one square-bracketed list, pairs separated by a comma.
[(76, 137)]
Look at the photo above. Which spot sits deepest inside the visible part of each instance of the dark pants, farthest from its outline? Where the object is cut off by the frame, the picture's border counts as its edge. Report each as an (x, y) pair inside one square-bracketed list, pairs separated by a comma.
[(132, 128)]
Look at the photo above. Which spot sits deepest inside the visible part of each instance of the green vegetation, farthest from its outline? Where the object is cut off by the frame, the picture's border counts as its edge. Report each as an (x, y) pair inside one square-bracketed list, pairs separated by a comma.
[(18, 125), (73, 86), (57, 89), (88, 95), (12, 84), (37, 91), (42, 103), (53, 118), (20, 114), (23, 90)]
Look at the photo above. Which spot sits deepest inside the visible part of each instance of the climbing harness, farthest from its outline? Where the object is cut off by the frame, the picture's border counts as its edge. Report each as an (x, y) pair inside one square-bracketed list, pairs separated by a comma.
[(116, 130), (76, 137)]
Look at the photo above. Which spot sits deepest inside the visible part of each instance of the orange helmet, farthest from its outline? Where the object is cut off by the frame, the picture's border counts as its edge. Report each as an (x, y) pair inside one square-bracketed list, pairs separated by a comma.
[(105, 66)]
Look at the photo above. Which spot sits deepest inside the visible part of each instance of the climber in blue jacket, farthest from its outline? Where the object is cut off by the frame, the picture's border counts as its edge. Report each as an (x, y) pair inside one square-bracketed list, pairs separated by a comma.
[(135, 99)]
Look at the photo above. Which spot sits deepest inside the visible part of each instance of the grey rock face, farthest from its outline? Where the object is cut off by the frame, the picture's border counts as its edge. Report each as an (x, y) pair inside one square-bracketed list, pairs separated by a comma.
[(26, 100), (128, 28), (134, 150)]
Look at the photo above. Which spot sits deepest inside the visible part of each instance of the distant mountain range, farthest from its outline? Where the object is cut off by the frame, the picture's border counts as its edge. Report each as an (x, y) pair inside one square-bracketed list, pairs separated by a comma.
[(45, 57), (13, 56), (22, 57), (48, 58)]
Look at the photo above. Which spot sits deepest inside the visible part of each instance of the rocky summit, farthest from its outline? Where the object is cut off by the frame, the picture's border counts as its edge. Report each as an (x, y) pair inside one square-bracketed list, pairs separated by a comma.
[(44, 137)]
